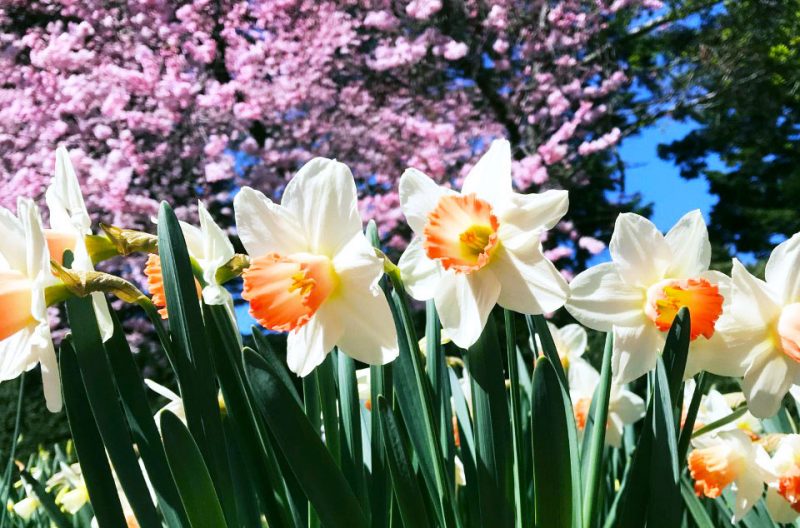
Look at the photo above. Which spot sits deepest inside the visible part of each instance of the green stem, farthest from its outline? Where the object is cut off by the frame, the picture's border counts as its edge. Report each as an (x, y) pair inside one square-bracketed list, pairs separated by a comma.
[(597, 446), (516, 416), (700, 389), (722, 421)]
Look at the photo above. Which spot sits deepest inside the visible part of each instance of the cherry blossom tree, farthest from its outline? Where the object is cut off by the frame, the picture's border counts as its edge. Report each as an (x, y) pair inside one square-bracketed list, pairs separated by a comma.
[(183, 100)]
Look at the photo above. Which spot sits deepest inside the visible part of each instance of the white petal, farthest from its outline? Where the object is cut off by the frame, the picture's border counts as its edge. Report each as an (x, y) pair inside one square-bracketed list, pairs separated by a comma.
[(534, 211), (582, 378), (636, 351), (357, 264), (723, 354), (194, 240), (369, 332), (464, 303), (419, 195), (490, 178), (421, 275), (16, 355), (265, 227), (753, 302), (51, 380), (12, 242), (628, 406), (614, 431), (64, 198), (600, 299), (691, 250), (36, 253), (783, 269), (639, 250), (575, 340), (766, 382), (307, 347), (779, 508), (530, 283), (217, 248), (161, 390), (749, 488), (322, 196)]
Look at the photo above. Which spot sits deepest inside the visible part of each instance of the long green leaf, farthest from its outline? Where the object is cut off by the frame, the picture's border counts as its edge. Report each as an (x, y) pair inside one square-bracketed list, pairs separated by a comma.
[(352, 451), (597, 430), (553, 480), (6, 484), (312, 464), (695, 507), (88, 443), (190, 472), (492, 435), (520, 517), (98, 378), (404, 482), (700, 388), (143, 427), (195, 369)]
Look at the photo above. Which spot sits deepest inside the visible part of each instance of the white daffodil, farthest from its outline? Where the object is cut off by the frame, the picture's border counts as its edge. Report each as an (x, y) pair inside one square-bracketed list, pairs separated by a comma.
[(783, 494), (72, 494), (26, 507), (715, 406), (211, 248), (174, 402), (25, 339), (624, 407), (638, 294), (767, 314), (312, 271), (481, 246), (571, 343), (69, 224), (730, 457)]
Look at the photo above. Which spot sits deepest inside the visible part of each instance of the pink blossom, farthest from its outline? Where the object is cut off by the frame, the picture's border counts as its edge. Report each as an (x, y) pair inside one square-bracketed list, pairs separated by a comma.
[(455, 50), (592, 245), (423, 9)]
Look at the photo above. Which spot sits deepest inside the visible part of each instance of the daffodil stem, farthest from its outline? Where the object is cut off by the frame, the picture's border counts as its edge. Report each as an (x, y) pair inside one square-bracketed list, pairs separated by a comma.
[(719, 423), (13, 451), (600, 418), (516, 416), (700, 389)]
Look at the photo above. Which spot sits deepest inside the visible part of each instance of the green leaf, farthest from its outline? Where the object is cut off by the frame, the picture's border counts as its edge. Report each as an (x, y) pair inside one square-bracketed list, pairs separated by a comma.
[(520, 504), (98, 378), (191, 474), (88, 443), (404, 482), (552, 450), (143, 427), (312, 464), (492, 435), (700, 388), (695, 507), (46, 500), (352, 452), (254, 447), (596, 430), (194, 368), (270, 356), (328, 398)]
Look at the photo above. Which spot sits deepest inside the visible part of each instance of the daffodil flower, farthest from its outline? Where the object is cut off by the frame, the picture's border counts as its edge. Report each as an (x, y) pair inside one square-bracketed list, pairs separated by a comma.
[(783, 494), (72, 493), (730, 457), (25, 339), (69, 224), (211, 248), (624, 407), (312, 271), (571, 343), (715, 406), (638, 294), (174, 402), (767, 314), (481, 246)]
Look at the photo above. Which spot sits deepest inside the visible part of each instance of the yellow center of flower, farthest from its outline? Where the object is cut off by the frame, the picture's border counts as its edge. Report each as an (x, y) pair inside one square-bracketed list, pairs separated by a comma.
[(667, 297), (788, 331), (286, 291), (16, 298), (461, 233), (714, 468), (58, 242)]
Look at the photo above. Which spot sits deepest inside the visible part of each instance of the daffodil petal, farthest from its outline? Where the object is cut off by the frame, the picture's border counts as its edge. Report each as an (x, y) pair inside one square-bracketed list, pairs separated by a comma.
[(575, 340), (529, 282), (265, 227), (307, 346), (628, 406), (419, 195), (464, 303), (16, 355), (636, 350), (323, 198), (490, 178), (783, 269), (530, 212), (600, 299), (753, 301), (51, 381), (421, 275), (691, 250), (639, 250), (779, 508), (766, 382), (367, 337)]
